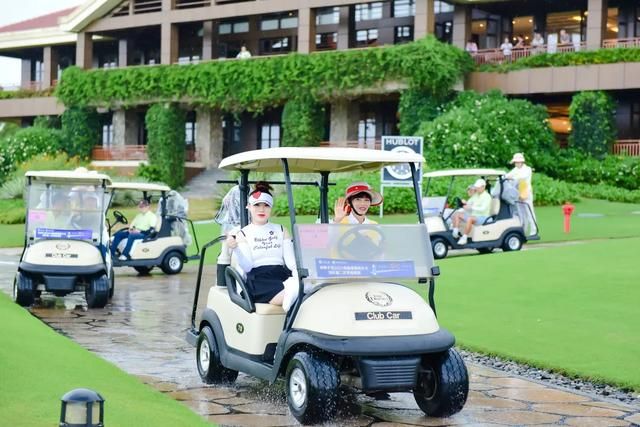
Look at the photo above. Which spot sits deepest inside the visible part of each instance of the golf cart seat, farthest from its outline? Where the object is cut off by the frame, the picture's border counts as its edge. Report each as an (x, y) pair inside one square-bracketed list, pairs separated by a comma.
[(162, 228), (238, 293), (493, 212)]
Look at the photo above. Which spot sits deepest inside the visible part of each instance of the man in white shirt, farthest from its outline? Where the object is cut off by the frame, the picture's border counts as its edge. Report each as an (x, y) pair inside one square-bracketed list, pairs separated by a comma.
[(476, 211)]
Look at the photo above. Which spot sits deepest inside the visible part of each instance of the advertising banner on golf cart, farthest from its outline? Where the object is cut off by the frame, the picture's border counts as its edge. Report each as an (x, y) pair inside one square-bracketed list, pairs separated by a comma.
[(400, 175)]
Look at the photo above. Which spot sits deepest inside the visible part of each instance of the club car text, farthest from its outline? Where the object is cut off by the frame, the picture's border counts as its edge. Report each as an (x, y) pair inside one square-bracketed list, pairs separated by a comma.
[(383, 315)]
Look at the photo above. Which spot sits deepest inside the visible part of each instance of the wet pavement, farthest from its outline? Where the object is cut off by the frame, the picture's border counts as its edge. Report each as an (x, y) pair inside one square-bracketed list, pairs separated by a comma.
[(142, 331)]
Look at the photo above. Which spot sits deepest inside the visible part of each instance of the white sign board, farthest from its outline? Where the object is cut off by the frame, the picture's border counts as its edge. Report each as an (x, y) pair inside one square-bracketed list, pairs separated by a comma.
[(400, 175)]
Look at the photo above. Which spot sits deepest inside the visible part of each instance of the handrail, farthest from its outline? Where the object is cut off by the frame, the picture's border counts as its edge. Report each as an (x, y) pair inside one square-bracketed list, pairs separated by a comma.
[(496, 56), (626, 147), (196, 295), (622, 43)]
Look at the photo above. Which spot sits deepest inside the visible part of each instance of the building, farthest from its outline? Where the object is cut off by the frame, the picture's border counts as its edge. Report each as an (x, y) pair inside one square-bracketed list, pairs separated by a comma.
[(117, 33)]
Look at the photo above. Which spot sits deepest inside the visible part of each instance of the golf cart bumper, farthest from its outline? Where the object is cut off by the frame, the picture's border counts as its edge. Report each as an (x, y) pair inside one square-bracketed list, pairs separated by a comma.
[(60, 278)]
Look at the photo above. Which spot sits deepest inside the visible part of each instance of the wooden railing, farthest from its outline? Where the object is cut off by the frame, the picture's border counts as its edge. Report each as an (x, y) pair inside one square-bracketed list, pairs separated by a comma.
[(496, 56), (135, 152), (627, 147), (629, 42), (372, 145)]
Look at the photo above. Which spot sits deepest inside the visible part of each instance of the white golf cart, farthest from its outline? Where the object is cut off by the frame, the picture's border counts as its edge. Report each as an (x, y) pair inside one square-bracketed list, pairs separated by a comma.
[(502, 229), (166, 246), (66, 242), (355, 324)]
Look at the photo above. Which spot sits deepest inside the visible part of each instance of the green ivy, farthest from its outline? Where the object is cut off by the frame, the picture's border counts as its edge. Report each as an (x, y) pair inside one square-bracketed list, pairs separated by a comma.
[(81, 130), (25, 93), (259, 83), (417, 106), (593, 123), (302, 122), (165, 126)]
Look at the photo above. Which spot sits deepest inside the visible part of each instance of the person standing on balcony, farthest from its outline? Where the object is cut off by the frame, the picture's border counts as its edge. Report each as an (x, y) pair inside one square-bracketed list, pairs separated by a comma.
[(522, 173), (537, 43), (519, 42), (506, 49), (471, 47), (244, 53)]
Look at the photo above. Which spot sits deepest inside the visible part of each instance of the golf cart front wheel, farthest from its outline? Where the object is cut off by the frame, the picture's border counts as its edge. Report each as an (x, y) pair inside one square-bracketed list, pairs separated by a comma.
[(97, 292), (172, 263), (513, 242), (208, 360), (440, 248), (312, 383), (443, 384), (23, 293)]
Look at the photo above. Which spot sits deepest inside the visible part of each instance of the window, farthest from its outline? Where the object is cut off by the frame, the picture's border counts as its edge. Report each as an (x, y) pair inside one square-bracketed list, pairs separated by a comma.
[(368, 11), (38, 71), (326, 41), (280, 21), (231, 130), (233, 27), (275, 45), (403, 8), (444, 31), (107, 134), (442, 7), (270, 135), (190, 128), (328, 16), (403, 34), (367, 130), (367, 37)]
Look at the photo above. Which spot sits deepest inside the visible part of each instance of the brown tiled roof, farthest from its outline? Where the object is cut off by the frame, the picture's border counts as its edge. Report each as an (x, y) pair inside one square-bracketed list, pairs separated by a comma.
[(44, 21)]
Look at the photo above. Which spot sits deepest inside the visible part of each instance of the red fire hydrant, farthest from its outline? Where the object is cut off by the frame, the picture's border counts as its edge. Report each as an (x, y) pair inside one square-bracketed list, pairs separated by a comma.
[(567, 209)]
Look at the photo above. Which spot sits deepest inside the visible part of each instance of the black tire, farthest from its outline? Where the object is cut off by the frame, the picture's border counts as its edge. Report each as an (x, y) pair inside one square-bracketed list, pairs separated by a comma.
[(208, 360), (512, 242), (312, 383), (97, 292), (443, 384), (23, 292), (143, 270), (485, 250), (440, 247), (172, 263), (112, 284)]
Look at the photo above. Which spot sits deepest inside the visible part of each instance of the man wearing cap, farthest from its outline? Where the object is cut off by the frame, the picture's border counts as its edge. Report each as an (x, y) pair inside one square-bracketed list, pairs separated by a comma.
[(521, 173), (140, 228), (476, 211), (354, 206)]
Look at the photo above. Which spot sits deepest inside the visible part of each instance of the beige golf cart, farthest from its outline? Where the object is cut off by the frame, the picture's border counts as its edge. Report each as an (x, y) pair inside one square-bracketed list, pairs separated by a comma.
[(355, 321), (166, 246), (502, 229), (66, 242)]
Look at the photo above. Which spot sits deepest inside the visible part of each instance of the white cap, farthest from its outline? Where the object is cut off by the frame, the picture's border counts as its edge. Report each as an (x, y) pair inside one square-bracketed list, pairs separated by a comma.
[(480, 183), (260, 197), (518, 158)]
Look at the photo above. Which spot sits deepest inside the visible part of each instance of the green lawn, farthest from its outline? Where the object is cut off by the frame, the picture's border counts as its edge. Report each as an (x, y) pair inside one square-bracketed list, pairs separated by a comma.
[(570, 308), (38, 366)]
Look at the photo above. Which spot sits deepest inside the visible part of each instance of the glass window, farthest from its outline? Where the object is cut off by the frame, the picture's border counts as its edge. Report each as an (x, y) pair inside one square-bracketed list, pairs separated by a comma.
[(328, 16), (224, 28), (368, 11), (367, 37), (274, 22), (326, 41), (269, 24), (107, 135), (289, 22), (402, 8), (241, 27), (367, 130), (270, 135), (442, 7), (403, 34), (275, 45)]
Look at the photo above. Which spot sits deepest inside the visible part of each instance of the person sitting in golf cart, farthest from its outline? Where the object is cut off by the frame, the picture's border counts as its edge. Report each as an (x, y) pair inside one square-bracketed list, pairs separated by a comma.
[(476, 210), (58, 216), (142, 225), (354, 206), (263, 250)]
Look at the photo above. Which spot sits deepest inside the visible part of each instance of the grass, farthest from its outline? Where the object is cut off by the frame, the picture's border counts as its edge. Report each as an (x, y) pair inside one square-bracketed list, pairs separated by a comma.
[(578, 315), (40, 365)]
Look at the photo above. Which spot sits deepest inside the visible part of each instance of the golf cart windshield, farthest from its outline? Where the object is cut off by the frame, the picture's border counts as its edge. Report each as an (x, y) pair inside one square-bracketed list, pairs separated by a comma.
[(372, 251), (62, 211)]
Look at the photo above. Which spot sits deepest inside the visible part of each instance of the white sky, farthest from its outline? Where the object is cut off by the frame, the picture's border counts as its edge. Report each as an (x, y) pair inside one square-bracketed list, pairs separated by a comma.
[(20, 10)]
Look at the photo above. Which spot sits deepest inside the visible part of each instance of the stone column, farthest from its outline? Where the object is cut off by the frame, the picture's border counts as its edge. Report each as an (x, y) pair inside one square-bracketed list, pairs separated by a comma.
[(344, 121), (123, 53), (425, 19), (207, 40), (306, 30), (84, 50), (596, 23), (345, 28), (168, 43), (461, 25), (25, 73), (167, 5), (209, 136), (119, 122), (50, 64)]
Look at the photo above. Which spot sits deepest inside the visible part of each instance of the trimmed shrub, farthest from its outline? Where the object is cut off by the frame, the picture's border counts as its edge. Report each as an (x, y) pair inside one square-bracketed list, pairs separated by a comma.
[(302, 122), (12, 211), (165, 126), (81, 129), (24, 144), (593, 123)]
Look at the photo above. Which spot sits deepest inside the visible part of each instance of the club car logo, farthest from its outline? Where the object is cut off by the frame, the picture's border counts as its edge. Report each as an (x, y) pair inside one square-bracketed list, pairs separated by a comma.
[(380, 299), (62, 246)]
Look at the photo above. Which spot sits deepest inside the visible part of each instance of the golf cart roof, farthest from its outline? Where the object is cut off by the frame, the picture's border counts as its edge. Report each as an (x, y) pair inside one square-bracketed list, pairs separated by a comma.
[(464, 172), (139, 186), (317, 159), (69, 177)]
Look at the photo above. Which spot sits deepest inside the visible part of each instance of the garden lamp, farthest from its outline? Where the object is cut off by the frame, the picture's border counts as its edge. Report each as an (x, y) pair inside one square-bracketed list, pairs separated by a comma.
[(82, 407)]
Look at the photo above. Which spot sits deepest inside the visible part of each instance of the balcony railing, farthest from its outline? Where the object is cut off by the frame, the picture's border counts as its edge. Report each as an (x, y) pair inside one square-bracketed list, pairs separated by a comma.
[(613, 43), (372, 144), (135, 152), (627, 147), (496, 56)]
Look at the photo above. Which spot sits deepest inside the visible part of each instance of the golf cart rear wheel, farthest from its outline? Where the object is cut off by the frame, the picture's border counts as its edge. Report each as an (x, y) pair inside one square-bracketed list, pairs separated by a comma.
[(312, 383), (208, 360), (513, 242), (443, 384), (23, 293), (172, 263), (440, 247), (97, 292), (142, 270)]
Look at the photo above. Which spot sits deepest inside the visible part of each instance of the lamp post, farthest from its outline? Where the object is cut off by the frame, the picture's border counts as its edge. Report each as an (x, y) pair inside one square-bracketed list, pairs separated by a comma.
[(82, 408)]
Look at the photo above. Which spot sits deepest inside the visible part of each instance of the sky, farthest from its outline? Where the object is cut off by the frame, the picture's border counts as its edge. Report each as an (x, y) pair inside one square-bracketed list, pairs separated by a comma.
[(19, 10)]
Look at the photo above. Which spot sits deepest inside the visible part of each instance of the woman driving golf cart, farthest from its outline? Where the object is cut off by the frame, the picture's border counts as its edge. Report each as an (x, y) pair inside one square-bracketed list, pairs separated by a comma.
[(263, 250), (354, 206)]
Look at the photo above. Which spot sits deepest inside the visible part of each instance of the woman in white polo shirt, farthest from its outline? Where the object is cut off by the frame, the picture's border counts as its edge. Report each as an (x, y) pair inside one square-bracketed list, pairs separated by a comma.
[(263, 250)]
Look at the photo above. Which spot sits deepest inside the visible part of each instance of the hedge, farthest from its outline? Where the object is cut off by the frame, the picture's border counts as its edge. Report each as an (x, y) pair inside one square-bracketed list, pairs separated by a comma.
[(593, 122), (165, 126), (81, 130)]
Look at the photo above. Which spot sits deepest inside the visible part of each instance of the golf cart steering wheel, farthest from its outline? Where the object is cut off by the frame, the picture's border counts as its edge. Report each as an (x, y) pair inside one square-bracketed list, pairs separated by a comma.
[(363, 242), (119, 216)]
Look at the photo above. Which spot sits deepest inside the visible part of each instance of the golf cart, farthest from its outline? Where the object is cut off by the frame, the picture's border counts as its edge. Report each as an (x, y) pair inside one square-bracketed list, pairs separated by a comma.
[(502, 229), (352, 323), (166, 245), (66, 242)]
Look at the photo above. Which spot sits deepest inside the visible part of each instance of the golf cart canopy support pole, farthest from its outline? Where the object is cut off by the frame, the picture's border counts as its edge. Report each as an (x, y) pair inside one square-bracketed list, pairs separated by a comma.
[(324, 197), (244, 194), (416, 191), (199, 278)]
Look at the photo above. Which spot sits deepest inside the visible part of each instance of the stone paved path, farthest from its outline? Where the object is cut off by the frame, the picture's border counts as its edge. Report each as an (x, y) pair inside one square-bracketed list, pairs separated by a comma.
[(142, 331)]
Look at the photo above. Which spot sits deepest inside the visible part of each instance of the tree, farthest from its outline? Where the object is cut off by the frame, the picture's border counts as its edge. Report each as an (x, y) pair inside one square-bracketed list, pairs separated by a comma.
[(593, 125)]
